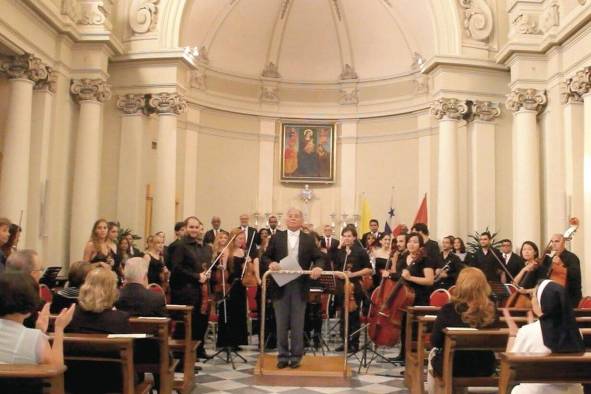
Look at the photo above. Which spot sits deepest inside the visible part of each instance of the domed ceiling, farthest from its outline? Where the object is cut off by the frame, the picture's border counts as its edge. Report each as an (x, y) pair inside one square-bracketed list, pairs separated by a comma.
[(311, 40)]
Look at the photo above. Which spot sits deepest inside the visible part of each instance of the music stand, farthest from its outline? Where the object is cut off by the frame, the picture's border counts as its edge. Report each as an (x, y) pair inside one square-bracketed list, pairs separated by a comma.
[(49, 277)]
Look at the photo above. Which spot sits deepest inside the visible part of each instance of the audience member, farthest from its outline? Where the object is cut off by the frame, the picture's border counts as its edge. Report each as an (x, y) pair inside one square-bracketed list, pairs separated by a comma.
[(134, 297), (67, 296), (4, 237), (11, 245)]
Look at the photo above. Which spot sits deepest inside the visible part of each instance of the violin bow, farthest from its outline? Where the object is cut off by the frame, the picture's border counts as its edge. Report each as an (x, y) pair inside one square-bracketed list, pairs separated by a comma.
[(247, 257)]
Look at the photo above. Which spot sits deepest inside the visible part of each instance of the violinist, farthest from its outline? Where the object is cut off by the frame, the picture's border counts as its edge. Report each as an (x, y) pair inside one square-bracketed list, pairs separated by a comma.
[(531, 273), (448, 266), (232, 331), (187, 276), (353, 260), (417, 270)]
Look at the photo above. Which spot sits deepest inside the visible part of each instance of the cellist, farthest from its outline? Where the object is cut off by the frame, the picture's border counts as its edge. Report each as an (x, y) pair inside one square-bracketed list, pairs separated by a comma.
[(417, 269), (353, 260)]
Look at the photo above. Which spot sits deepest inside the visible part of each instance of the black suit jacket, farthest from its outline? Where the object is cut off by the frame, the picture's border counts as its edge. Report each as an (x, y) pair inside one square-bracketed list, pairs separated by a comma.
[(309, 256), (488, 264), (252, 232), (139, 301), (514, 265), (331, 249), (210, 236)]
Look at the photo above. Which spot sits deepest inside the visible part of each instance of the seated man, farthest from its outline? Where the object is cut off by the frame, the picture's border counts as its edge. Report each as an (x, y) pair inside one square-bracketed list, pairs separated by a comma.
[(134, 297)]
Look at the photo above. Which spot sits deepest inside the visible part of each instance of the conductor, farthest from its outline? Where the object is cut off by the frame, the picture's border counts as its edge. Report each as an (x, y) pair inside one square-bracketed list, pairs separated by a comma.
[(289, 301)]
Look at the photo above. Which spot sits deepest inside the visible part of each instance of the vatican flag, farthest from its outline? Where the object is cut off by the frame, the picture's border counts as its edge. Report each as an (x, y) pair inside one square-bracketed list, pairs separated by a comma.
[(365, 216)]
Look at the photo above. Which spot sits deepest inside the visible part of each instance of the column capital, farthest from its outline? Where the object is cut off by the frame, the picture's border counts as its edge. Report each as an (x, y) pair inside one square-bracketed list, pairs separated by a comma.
[(486, 110), (132, 104), (526, 99), (87, 89), (167, 103), (24, 66), (449, 108), (47, 84), (580, 84)]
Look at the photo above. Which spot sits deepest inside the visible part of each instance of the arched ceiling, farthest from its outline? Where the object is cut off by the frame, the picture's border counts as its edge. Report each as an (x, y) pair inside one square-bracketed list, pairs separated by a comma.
[(311, 40)]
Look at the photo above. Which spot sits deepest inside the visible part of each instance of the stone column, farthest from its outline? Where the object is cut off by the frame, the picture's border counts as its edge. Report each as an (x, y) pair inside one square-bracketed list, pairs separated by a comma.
[(526, 104), (190, 173), (23, 72), (581, 86), (573, 158), (130, 191), (168, 106), (482, 158), (449, 111), (90, 93), (42, 120)]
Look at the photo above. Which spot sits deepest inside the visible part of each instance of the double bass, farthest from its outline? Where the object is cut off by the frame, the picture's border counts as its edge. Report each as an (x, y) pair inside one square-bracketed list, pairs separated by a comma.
[(388, 304)]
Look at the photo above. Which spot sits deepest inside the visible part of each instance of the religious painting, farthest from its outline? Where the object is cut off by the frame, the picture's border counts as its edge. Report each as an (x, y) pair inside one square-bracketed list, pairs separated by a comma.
[(308, 152)]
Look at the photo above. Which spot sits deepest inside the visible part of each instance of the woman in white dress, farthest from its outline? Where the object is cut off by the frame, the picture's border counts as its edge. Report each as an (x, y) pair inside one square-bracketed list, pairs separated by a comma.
[(555, 332)]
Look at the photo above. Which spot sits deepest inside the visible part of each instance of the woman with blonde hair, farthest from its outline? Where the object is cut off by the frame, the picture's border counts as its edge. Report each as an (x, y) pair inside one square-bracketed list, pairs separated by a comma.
[(157, 271), (95, 312), (472, 307)]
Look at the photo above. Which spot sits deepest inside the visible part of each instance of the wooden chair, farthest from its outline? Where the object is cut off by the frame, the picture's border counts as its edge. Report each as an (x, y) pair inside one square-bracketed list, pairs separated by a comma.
[(182, 314), (543, 368), (53, 376), (156, 288), (585, 303), (158, 327), (439, 298), (98, 348)]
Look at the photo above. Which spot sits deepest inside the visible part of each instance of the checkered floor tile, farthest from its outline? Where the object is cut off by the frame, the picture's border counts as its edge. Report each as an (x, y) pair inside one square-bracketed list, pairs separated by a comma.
[(217, 376)]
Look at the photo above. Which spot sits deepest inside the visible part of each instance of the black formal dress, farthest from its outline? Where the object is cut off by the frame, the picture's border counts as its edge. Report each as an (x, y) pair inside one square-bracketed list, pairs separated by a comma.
[(155, 270), (454, 266), (467, 363), (232, 331), (381, 264), (422, 293)]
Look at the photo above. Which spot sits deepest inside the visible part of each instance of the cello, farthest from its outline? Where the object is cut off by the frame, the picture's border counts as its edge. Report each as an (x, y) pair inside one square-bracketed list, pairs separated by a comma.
[(388, 304)]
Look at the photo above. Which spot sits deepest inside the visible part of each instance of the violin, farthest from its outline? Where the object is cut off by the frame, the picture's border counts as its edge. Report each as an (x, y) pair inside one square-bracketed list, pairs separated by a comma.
[(388, 303)]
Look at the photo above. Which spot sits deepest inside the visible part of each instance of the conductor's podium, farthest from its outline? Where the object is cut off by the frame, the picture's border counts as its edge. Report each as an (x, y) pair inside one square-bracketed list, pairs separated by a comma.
[(311, 366)]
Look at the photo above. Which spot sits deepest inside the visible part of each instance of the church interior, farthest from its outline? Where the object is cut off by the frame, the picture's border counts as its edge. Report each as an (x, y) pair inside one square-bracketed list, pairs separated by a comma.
[(468, 117)]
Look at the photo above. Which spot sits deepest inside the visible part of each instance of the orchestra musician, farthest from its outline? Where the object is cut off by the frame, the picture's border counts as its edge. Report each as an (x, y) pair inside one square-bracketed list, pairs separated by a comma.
[(353, 260), (448, 266)]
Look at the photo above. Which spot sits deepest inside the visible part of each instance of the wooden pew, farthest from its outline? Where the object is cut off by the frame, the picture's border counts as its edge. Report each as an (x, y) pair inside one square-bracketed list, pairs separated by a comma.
[(52, 375), (158, 328), (187, 346), (411, 345), (543, 368), (100, 348)]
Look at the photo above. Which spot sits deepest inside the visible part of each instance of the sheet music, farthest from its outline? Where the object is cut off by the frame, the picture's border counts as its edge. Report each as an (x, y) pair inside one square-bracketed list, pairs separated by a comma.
[(288, 263)]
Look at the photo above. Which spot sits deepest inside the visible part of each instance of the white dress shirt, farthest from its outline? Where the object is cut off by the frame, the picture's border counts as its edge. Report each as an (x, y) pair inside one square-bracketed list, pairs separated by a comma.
[(292, 238)]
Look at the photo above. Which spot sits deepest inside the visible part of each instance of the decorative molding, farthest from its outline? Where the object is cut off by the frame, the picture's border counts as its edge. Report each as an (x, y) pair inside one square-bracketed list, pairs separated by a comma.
[(582, 2), (421, 84), (132, 104), (49, 83), (580, 84), (143, 16), (348, 73), (167, 103), (551, 17), (284, 8), (270, 94), (486, 110), (337, 9), (388, 3), (526, 99), (271, 71), (450, 108), (349, 95), (86, 89), (198, 79), (24, 66), (95, 13), (525, 24), (71, 9), (202, 55), (567, 96), (478, 19)]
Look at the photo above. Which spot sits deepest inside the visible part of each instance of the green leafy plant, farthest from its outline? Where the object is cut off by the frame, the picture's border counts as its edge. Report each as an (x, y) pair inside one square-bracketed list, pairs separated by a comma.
[(473, 244), (125, 231)]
